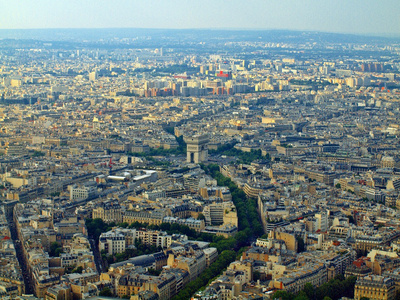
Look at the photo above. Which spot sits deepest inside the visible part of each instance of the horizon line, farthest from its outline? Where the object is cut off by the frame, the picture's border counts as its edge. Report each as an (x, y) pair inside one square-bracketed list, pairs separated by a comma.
[(380, 35)]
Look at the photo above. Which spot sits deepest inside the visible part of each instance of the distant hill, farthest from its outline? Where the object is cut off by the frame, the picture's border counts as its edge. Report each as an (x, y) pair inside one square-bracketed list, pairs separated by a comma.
[(156, 37)]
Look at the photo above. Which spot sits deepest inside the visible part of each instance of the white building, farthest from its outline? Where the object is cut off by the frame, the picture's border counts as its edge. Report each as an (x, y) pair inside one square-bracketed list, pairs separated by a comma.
[(112, 242), (322, 222), (82, 192)]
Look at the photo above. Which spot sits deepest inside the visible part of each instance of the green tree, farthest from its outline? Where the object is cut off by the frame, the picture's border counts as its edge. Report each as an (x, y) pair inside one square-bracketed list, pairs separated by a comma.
[(154, 272), (283, 295), (301, 296), (223, 260), (336, 288), (96, 227), (77, 270), (322, 291), (38, 154), (106, 292), (309, 290), (58, 251), (348, 286), (119, 257), (55, 249)]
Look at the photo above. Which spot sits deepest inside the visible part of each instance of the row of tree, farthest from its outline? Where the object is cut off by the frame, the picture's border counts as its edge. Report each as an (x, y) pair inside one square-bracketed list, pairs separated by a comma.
[(248, 218), (334, 289), (249, 227), (242, 157), (224, 246), (222, 262), (181, 149), (219, 242), (96, 227)]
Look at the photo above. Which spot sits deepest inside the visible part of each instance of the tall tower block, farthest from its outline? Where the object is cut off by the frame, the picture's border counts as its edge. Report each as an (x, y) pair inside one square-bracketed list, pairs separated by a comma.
[(197, 150)]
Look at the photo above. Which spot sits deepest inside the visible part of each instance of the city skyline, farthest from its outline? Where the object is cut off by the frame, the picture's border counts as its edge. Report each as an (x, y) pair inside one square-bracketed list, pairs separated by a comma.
[(340, 16)]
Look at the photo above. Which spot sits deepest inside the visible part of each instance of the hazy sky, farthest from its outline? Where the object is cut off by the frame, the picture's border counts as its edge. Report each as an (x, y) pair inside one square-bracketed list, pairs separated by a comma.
[(348, 16)]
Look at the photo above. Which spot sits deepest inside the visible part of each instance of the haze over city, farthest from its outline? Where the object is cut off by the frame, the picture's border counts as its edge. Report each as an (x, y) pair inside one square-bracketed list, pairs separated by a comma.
[(361, 17)]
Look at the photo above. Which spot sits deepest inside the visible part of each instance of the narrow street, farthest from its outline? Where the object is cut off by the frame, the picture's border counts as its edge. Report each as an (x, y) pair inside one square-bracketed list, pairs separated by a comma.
[(97, 257), (18, 248)]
